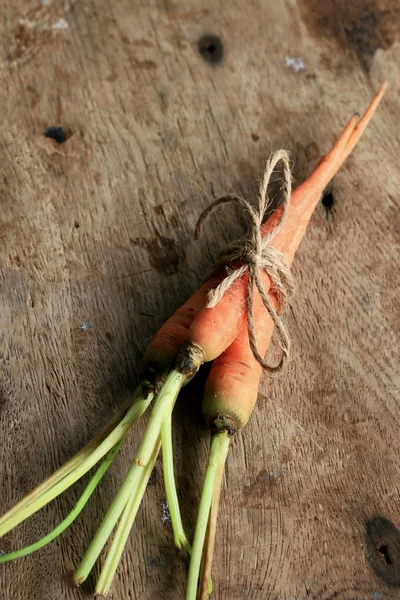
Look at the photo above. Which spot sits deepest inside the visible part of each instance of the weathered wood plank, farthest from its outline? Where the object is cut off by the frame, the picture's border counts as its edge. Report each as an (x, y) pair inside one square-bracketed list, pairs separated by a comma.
[(100, 228)]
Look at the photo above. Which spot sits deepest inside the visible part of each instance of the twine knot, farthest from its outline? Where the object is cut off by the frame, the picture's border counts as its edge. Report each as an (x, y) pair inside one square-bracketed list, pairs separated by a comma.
[(253, 254)]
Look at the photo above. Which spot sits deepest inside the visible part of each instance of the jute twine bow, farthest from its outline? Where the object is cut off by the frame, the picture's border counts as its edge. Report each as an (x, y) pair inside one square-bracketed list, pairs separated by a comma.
[(254, 254)]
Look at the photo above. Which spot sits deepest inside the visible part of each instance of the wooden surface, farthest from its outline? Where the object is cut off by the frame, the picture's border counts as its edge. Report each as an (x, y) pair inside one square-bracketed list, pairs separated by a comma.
[(100, 228)]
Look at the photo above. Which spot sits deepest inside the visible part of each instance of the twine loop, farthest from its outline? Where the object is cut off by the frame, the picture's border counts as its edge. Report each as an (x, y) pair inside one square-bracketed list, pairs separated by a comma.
[(253, 254)]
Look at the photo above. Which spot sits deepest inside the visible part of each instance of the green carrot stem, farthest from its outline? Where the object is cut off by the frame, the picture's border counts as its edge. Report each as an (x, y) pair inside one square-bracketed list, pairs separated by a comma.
[(170, 487), (218, 453), (124, 527), (95, 480), (162, 407), (129, 486), (132, 415), (72, 464), (205, 583)]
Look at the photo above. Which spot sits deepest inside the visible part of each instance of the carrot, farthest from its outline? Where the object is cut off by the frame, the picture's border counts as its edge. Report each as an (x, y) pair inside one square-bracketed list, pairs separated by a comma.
[(232, 385), (214, 329), (232, 367)]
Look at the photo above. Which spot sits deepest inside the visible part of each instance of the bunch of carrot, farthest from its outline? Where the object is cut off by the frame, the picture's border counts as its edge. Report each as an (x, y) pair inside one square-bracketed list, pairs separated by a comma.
[(193, 335)]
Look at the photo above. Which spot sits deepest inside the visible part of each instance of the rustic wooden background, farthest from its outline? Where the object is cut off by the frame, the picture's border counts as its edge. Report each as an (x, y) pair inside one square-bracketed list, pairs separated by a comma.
[(165, 105)]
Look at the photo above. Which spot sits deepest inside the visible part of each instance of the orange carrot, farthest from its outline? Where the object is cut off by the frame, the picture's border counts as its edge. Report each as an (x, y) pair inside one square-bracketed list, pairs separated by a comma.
[(214, 329), (236, 370), (232, 386)]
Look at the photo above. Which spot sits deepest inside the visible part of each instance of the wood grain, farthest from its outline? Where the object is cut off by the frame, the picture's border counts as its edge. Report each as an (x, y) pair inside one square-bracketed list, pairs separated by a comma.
[(100, 228)]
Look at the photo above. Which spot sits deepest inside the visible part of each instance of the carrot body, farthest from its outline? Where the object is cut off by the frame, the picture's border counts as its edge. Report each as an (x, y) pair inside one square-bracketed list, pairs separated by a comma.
[(231, 388), (232, 385), (214, 329)]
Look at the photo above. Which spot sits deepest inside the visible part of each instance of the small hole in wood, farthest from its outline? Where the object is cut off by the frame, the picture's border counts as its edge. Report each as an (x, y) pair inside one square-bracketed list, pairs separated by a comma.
[(211, 48), (328, 200), (57, 134), (76, 224), (383, 550)]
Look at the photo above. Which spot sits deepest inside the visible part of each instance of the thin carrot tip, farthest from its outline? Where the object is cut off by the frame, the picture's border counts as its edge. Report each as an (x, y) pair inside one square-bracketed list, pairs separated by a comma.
[(383, 87)]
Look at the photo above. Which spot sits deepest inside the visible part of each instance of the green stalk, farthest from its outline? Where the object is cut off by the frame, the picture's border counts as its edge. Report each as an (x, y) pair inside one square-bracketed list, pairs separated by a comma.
[(128, 487), (170, 487), (162, 407), (218, 453), (124, 528), (132, 415), (95, 480), (70, 465), (205, 582)]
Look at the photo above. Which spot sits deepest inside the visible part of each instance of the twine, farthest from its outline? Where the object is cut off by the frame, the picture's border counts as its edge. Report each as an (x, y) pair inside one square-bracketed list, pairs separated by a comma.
[(255, 254)]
